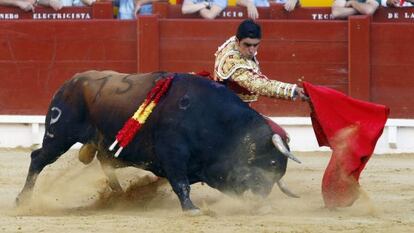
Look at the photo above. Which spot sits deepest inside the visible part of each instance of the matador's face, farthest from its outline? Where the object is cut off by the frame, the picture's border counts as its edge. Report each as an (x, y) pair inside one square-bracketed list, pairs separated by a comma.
[(248, 47)]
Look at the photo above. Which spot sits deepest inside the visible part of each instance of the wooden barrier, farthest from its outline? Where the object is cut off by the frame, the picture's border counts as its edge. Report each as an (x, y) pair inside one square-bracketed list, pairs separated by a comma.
[(368, 58), (36, 57)]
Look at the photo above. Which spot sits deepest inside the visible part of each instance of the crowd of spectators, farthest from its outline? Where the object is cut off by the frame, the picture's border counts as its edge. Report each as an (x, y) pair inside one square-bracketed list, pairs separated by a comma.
[(397, 3), (128, 9), (210, 9), (29, 5), (345, 8), (207, 9), (342, 9), (77, 2)]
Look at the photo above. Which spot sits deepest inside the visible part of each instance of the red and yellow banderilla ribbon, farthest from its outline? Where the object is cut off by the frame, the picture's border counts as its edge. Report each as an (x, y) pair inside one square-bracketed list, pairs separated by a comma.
[(133, 124)]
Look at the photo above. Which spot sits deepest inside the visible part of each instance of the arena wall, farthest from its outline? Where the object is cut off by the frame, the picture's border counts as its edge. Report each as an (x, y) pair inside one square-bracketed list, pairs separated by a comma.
[(365, 57)]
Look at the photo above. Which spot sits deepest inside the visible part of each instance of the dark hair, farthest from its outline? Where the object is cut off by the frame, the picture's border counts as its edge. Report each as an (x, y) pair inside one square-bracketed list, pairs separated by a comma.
[(249, 29)]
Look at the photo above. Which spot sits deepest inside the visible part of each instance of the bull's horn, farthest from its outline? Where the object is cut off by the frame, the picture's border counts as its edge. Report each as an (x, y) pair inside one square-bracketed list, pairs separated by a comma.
[(278, 142), (285, 189)]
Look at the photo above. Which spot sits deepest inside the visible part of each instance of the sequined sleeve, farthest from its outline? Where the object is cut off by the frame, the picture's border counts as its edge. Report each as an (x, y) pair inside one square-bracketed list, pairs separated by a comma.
[(260, 84)]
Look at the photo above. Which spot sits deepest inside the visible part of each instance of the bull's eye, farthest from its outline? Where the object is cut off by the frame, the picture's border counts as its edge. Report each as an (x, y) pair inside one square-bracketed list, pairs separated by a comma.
[(273, 163)]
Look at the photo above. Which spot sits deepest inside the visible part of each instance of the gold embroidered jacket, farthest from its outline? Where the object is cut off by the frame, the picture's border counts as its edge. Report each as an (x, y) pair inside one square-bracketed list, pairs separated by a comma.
[(231, 66)]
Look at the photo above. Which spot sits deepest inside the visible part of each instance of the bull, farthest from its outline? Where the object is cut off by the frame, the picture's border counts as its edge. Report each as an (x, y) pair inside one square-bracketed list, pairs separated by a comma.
[(199, 132)]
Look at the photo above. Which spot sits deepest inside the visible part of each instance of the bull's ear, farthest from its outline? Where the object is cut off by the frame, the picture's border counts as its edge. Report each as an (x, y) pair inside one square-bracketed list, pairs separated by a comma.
[(278, 142)]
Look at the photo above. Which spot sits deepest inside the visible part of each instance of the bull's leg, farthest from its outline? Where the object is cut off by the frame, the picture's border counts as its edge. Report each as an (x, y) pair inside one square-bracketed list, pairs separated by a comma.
[(63, 128), (31, 178), (182, 188), (175, 157), (39, 159), (86, 155), (108, 164), (109, 171)]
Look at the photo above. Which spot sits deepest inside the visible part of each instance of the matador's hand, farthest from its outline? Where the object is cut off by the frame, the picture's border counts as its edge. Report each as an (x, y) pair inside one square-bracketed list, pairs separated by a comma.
[(393, 3), (301, 93)]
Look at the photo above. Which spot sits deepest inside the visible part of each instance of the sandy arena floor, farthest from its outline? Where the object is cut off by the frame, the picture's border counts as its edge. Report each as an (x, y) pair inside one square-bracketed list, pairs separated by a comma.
[(72, 197)]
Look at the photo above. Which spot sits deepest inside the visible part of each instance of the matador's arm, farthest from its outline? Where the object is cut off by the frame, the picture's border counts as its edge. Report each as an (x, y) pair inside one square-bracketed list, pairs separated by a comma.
[(260, 84)]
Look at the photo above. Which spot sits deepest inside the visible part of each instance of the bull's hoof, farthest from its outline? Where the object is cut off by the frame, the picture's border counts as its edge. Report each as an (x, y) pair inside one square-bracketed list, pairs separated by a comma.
[(22, 199), (193, 212), (208, 212)]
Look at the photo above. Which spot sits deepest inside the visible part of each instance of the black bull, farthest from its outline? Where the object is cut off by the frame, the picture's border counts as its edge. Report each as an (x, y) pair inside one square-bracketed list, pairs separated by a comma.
[(199, 132)]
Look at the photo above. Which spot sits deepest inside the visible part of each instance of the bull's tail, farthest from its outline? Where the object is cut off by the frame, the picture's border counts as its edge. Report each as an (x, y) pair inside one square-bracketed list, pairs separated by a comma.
[(87, 152)]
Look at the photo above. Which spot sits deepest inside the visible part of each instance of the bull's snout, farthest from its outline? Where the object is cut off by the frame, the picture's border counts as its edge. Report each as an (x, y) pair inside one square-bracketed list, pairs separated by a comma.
[(262, 190), (260, 184)]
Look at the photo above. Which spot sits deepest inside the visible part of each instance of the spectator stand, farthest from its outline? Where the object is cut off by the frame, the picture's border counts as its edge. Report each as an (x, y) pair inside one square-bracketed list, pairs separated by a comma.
[(99, 10), (276, 11)]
